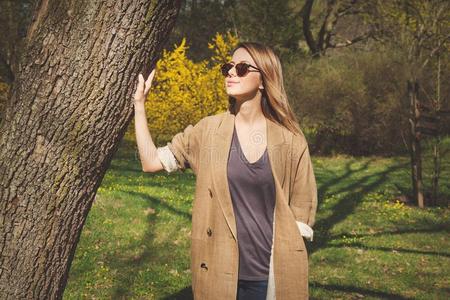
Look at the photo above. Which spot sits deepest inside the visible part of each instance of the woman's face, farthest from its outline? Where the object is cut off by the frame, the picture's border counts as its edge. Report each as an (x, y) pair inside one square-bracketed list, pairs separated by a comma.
[(246, 86)]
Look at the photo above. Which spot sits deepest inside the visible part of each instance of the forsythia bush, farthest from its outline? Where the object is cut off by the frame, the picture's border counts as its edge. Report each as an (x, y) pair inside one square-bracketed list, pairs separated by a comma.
[(184, 91)]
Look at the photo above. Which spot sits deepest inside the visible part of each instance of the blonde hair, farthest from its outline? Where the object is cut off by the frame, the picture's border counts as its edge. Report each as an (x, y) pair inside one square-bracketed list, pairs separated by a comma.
[(274, 102)]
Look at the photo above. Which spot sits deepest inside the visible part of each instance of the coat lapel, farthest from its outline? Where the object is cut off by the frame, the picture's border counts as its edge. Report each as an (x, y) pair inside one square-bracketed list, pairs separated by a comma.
[(276, 148)]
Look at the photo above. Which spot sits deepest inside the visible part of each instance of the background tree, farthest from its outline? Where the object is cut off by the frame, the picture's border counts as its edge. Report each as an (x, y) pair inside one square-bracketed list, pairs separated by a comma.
[(274, 23), (320, 24), (199, 21), (70, 105), (15, 16), (421, 31)]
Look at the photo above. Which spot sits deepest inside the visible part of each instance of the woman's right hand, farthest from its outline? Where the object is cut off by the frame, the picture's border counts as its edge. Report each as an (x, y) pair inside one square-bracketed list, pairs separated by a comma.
[(143, 88)]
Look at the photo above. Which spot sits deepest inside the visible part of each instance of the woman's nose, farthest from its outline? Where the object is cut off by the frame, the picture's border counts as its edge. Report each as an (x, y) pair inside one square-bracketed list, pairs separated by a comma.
[(232, 71)]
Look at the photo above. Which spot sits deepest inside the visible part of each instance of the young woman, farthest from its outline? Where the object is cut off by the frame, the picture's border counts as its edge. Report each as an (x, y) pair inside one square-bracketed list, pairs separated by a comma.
[(255, 196)]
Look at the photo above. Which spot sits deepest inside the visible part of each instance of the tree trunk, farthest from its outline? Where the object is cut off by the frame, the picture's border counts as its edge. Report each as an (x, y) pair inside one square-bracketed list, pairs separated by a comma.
[(415, 149), (70, 106)]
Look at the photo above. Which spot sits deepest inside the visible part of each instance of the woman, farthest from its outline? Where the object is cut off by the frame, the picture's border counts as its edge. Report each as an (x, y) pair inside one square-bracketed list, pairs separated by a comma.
[(255, 195)]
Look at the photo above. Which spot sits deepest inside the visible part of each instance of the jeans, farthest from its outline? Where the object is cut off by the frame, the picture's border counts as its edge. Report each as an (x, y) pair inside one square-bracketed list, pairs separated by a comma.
[(252, 290)]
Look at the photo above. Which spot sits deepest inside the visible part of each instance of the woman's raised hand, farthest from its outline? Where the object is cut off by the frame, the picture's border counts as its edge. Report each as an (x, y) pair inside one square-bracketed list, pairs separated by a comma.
[(143, 88)]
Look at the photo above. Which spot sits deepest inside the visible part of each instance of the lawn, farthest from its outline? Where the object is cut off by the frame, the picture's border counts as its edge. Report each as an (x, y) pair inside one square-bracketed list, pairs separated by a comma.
[(367, 244)]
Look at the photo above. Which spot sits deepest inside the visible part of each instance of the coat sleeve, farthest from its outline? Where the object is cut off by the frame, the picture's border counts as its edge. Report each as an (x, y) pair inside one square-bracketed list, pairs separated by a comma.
[(303, 195), (183, 150)]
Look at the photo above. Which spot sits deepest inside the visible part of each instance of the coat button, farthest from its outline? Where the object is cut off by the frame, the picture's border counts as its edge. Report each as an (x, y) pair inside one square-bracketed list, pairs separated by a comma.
[(210, 192), (209, 231), (204, 266)]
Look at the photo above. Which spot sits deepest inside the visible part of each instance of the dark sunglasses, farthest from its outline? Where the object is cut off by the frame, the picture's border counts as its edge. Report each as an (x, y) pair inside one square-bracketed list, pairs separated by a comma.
[(242, 68)]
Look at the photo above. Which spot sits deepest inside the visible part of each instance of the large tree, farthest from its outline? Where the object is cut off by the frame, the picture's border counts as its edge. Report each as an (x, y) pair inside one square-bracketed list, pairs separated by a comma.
[(70, 105)]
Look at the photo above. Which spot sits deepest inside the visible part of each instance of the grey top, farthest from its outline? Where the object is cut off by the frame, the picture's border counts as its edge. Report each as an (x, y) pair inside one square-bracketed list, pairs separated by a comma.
[(252, 190)]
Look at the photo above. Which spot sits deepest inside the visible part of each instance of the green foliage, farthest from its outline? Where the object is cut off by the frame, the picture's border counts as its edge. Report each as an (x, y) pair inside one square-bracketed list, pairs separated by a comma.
[(354, 100), (351, 103), (274, 23), (198, 23), (419, 29)]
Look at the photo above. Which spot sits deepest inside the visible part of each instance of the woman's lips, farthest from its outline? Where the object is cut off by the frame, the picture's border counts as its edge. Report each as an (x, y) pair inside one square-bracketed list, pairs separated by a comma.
[(229, 83)]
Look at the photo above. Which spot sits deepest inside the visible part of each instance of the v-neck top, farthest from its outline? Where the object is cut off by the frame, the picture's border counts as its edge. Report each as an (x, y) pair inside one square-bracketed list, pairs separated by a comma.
[(252, 190)]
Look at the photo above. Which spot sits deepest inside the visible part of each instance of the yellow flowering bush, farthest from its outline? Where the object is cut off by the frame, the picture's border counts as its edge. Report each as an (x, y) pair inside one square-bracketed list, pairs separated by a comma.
[(184, 91)]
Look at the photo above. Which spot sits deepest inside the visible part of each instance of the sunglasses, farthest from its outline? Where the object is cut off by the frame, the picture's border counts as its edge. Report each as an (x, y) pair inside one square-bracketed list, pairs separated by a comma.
[(242, 69)]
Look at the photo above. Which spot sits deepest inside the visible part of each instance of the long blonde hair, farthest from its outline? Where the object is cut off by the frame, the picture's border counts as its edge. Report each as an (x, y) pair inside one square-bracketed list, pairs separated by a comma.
[(274, 102)]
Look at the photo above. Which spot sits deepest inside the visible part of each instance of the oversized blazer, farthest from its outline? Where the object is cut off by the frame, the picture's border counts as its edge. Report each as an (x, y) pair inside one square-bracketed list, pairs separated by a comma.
[(204, 148)]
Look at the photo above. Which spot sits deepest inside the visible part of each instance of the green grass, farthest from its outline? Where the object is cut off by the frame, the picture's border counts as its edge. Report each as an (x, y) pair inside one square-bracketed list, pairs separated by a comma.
[(367, 244)]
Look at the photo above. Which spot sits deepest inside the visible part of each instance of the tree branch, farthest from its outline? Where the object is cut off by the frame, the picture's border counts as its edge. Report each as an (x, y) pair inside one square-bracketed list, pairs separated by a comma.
[(353, 41)]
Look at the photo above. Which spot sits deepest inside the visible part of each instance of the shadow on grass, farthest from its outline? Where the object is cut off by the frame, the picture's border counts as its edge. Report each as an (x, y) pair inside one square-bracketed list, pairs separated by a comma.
[(438, 228), (158, 204), (170, 182), (348, 203), (351, 289), (184, 294), (388, 249), (128, 268)]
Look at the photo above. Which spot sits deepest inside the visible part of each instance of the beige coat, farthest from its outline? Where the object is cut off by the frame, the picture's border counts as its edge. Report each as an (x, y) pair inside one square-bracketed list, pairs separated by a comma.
[(214, 249)]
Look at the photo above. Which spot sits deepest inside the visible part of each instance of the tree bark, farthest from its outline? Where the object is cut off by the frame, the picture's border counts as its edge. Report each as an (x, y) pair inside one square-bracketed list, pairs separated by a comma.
[(71, 103), (415, 149)]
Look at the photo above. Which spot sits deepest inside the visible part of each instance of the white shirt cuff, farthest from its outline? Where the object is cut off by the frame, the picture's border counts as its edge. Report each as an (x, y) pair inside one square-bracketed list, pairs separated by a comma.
[(167, 158), (305, 230)]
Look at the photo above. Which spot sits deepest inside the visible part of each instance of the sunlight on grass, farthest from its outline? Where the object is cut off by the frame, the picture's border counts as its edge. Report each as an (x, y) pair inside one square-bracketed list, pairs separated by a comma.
[(367, 242)]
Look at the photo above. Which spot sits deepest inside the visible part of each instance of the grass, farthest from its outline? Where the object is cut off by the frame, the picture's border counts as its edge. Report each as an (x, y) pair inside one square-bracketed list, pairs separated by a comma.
[(367, 243)]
